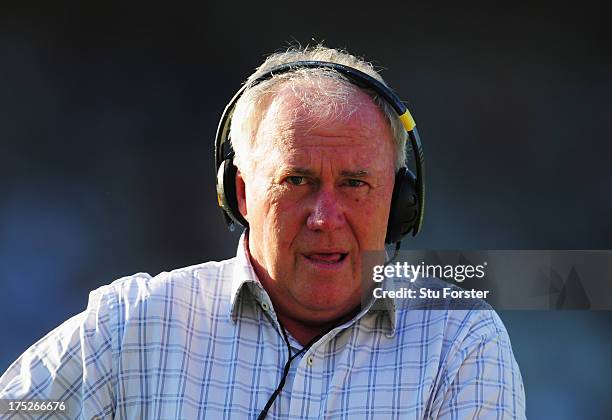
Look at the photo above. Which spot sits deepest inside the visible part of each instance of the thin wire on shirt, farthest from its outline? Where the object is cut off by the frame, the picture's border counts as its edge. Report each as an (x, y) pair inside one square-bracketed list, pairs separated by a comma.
[(281, 384)]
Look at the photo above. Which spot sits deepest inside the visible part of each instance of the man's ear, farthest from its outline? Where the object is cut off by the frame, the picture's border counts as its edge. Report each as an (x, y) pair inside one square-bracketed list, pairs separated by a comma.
[(241, 195)]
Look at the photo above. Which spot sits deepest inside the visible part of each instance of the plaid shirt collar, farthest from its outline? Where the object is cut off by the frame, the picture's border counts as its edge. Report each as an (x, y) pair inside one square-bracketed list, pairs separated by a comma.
[(246, 285)]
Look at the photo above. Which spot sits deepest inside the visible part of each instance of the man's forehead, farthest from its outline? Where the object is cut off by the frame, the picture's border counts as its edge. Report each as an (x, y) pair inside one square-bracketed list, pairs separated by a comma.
[(353, 162), (288, 120), (355, 132)]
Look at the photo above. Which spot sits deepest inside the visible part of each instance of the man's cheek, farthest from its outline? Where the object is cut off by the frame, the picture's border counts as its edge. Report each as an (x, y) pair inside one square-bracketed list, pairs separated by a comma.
[(370, 214)]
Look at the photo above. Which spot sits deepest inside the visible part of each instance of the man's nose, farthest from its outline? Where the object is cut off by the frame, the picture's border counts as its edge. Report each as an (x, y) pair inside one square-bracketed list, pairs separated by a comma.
[(327, 213)]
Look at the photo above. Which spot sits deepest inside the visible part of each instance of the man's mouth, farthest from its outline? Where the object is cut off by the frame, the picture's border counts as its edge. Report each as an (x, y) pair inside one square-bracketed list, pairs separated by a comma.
[(323, 259)]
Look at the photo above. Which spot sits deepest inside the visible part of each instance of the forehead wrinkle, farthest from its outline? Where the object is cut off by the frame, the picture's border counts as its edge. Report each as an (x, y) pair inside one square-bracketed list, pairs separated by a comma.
[(359, 160), (285, 136)]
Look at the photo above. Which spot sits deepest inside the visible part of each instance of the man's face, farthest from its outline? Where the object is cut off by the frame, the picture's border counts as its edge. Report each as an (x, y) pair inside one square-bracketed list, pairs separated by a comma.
[(317, 196)]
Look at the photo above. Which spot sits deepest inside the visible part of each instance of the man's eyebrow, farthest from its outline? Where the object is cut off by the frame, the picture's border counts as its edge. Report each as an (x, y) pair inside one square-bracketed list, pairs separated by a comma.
[(355, 174), (294, 170), (298, 171)]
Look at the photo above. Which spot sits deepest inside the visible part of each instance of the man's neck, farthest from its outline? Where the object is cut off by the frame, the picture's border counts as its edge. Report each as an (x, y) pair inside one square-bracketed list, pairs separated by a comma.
[(304, 333)]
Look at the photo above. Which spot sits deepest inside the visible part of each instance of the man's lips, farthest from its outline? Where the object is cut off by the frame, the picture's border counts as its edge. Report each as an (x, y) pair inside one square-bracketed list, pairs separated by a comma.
[(331, 258)]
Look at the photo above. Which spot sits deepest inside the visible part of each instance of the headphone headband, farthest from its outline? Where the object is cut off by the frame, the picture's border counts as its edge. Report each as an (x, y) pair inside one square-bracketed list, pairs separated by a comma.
[(224, 152)]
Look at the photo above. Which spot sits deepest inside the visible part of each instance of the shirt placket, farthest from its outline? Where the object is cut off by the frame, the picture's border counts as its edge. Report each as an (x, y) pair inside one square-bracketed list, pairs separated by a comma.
[(307, 386)]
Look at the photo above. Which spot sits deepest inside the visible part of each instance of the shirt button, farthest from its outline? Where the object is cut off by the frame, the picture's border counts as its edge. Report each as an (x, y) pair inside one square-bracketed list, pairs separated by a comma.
[(265, 306), (310, 361)]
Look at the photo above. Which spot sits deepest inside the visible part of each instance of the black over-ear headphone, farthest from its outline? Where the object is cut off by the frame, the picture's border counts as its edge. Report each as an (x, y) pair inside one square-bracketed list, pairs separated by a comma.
[(408, 201)]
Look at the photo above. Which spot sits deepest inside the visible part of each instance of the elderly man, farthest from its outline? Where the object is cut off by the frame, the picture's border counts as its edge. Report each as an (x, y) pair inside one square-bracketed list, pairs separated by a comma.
[(281, 330)]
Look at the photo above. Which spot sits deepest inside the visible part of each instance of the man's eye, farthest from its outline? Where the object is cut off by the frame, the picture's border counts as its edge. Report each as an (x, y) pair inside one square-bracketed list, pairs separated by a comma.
[(355, 183), (296, 180)]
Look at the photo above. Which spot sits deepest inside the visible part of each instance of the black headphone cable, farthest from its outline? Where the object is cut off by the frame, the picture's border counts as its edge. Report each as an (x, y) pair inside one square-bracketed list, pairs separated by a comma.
[(281, 384)]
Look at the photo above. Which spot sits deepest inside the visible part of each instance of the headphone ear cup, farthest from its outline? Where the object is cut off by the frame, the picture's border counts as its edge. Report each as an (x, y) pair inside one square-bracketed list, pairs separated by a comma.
[(404, 210), (226, 192)]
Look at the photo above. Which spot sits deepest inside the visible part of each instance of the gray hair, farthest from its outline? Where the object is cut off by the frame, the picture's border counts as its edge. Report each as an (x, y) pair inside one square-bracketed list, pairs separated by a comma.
[(321, 103)]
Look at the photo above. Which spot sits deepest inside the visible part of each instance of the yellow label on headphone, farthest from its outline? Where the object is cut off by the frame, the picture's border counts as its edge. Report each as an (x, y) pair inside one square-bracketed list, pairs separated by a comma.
[(407, 121)]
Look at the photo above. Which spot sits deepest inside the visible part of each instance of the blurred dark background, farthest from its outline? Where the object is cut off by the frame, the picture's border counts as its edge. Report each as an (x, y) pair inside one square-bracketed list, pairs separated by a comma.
[(108, 114)]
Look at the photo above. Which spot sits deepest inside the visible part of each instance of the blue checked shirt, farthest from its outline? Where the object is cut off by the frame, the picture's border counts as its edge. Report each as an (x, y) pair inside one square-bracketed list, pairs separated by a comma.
[(203, 342)]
